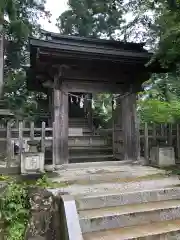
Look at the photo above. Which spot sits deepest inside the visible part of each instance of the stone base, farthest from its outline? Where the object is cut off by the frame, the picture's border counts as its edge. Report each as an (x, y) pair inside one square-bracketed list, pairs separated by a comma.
[(32, 163), (162, 156)]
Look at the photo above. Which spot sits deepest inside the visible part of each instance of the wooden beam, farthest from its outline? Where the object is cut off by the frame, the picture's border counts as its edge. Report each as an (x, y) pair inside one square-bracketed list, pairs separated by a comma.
[(93, 87), (89, 86), (60, 121)]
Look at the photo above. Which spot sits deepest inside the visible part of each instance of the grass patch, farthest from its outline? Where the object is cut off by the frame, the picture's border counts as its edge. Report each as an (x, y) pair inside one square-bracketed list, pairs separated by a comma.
[(4, 178), (172, 170)]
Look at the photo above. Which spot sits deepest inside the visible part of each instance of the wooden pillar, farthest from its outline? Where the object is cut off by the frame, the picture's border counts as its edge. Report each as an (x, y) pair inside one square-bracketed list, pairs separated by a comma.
[(60, 123), (130, 127)]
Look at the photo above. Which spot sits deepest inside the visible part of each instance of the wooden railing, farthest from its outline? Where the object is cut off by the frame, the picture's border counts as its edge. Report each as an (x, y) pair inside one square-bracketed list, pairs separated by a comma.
[(150, 135), (13, 140)]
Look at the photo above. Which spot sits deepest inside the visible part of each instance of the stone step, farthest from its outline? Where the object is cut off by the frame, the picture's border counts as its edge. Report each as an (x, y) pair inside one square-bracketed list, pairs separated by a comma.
[(75, 131), (166, 230), (94, 150), (90, 158), (95, 165), (77, 119), (82, 189), (128, 215), (109, 174), (79, 124), (88, 140), (113, 187), (120, 199)]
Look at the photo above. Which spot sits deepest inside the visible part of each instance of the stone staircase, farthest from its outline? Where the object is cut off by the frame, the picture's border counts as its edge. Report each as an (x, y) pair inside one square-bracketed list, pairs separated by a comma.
[(121, 201), (84, 146), (80, 123)]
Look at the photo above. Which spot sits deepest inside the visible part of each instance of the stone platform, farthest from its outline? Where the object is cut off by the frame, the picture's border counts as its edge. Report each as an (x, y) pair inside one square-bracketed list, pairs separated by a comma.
[(121, 201)]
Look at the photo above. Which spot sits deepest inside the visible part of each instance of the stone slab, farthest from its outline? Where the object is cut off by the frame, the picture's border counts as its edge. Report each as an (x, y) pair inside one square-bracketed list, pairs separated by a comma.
[(169, 230), (106, 173), (126, 216), (137, 197), (76, 131), (121, 187), (94, 164)]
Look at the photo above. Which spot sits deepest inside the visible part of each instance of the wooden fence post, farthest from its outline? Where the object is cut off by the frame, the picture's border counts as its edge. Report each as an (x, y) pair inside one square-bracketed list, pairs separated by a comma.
[(8, 146), (162, 130), (32, 131), (20, 139), (170, 135), (146, 143), (177, 140), (53, 144), (43, 135), (154, 133)]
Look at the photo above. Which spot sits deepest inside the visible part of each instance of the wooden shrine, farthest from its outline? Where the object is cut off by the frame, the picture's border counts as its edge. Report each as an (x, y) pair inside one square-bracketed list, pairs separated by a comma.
[(63, 64)]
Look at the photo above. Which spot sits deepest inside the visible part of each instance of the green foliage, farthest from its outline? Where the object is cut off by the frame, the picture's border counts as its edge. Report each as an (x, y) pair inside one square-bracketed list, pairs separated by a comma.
[(23, 103), (15, 210), (15, 205), (151, 110), (158, 24), (20, 20), (102, 111), (45, 182), (91, 18), (160, 100)]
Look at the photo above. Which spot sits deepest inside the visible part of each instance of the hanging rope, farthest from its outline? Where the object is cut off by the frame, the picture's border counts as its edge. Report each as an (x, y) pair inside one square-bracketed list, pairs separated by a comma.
[(81, 99)]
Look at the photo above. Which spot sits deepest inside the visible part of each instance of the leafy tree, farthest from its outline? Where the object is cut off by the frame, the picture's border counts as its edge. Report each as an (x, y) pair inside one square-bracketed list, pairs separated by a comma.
[(157, 23), (19, 19), (92, 18)]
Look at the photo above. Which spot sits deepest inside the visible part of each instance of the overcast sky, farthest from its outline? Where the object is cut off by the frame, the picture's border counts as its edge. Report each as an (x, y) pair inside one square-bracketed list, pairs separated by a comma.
[(56, 7)]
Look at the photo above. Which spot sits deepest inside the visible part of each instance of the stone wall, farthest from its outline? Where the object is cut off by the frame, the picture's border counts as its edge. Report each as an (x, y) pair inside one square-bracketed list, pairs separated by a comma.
[(44, 223)]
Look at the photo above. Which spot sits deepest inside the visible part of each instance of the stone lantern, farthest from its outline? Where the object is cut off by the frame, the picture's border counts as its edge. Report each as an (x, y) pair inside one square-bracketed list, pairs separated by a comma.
[(32, 162)]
